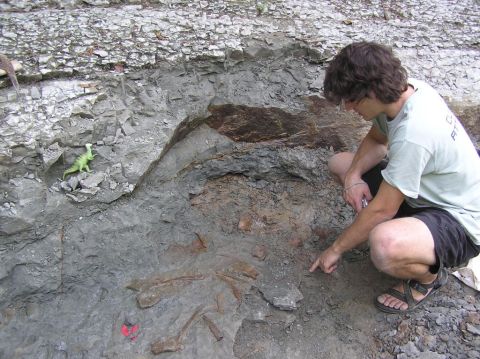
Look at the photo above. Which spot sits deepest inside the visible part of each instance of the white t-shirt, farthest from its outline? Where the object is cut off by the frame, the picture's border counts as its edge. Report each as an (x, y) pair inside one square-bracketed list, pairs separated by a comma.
[(432, 161)]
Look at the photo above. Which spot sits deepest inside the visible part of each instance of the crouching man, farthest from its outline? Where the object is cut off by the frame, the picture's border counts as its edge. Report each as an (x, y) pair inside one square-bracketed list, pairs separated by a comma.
[(417, 169)]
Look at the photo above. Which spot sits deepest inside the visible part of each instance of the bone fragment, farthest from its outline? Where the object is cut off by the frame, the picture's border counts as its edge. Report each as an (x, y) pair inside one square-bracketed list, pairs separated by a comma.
[(217, 333)]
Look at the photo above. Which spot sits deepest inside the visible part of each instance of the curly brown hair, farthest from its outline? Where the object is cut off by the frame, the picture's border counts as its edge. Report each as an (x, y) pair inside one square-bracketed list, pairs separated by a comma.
[(363, 67)]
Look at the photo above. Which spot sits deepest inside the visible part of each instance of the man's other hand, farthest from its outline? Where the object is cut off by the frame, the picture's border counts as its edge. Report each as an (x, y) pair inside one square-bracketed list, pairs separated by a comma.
[(354, 194)]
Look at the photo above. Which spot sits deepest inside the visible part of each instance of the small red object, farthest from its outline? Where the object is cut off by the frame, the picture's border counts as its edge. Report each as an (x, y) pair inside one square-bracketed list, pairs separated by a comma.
[(133, 329), (127, 332)]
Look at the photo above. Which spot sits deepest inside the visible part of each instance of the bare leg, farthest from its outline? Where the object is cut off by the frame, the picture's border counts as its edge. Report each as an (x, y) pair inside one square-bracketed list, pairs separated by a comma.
[(403, 248), (339, 164)]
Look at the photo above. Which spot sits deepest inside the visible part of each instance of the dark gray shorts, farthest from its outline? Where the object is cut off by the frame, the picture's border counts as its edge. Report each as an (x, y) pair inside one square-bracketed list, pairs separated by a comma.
[(453, 246)]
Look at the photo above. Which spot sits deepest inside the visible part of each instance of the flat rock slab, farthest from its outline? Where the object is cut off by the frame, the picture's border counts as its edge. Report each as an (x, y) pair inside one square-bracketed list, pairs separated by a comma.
[(93, 180), (284, 296)]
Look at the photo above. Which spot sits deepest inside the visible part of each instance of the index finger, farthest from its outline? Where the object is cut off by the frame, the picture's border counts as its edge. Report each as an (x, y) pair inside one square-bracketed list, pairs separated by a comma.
[(314, 265)]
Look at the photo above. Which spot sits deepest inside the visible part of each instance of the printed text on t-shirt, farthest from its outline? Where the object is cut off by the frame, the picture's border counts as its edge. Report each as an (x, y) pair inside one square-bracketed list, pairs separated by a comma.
[(452, 120)]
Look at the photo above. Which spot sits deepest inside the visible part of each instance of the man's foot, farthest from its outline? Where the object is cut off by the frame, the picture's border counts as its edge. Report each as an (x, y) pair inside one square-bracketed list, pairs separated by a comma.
[(409, 294)]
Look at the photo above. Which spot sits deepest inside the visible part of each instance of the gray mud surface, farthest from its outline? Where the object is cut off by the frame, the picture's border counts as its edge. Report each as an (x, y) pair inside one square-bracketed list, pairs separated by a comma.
[(209, 196)]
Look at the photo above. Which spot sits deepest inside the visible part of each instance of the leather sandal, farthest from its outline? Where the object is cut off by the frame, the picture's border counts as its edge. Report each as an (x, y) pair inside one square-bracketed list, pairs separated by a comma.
[(407, 296)]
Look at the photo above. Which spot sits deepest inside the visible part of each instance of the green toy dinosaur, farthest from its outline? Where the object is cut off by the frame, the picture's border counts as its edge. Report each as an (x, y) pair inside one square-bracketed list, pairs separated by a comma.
[(81, 162)]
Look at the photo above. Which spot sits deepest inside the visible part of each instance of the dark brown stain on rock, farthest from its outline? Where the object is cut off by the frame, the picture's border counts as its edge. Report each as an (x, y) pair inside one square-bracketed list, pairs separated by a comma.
[(253, 124)]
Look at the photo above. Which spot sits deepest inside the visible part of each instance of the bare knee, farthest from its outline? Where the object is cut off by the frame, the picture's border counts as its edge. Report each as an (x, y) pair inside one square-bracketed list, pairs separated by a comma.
[(339, 164), (384, 247)]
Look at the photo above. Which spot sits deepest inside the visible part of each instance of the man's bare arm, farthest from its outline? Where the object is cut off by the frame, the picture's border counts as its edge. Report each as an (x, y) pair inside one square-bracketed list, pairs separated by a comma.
[(370, 152), (383, 207)]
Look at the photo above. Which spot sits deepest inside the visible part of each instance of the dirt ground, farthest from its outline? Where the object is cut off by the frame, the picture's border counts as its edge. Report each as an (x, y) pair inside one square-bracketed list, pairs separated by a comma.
[(336, 319), (292, 219)]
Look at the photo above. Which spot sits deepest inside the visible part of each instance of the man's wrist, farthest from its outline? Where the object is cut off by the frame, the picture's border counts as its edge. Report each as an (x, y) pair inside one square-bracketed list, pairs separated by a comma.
[(353, 185), (337, 249), (352, 176)]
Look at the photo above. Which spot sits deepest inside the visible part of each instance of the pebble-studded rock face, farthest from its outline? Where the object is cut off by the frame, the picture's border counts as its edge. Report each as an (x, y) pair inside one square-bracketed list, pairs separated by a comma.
[(436, 41), (193, 210)]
